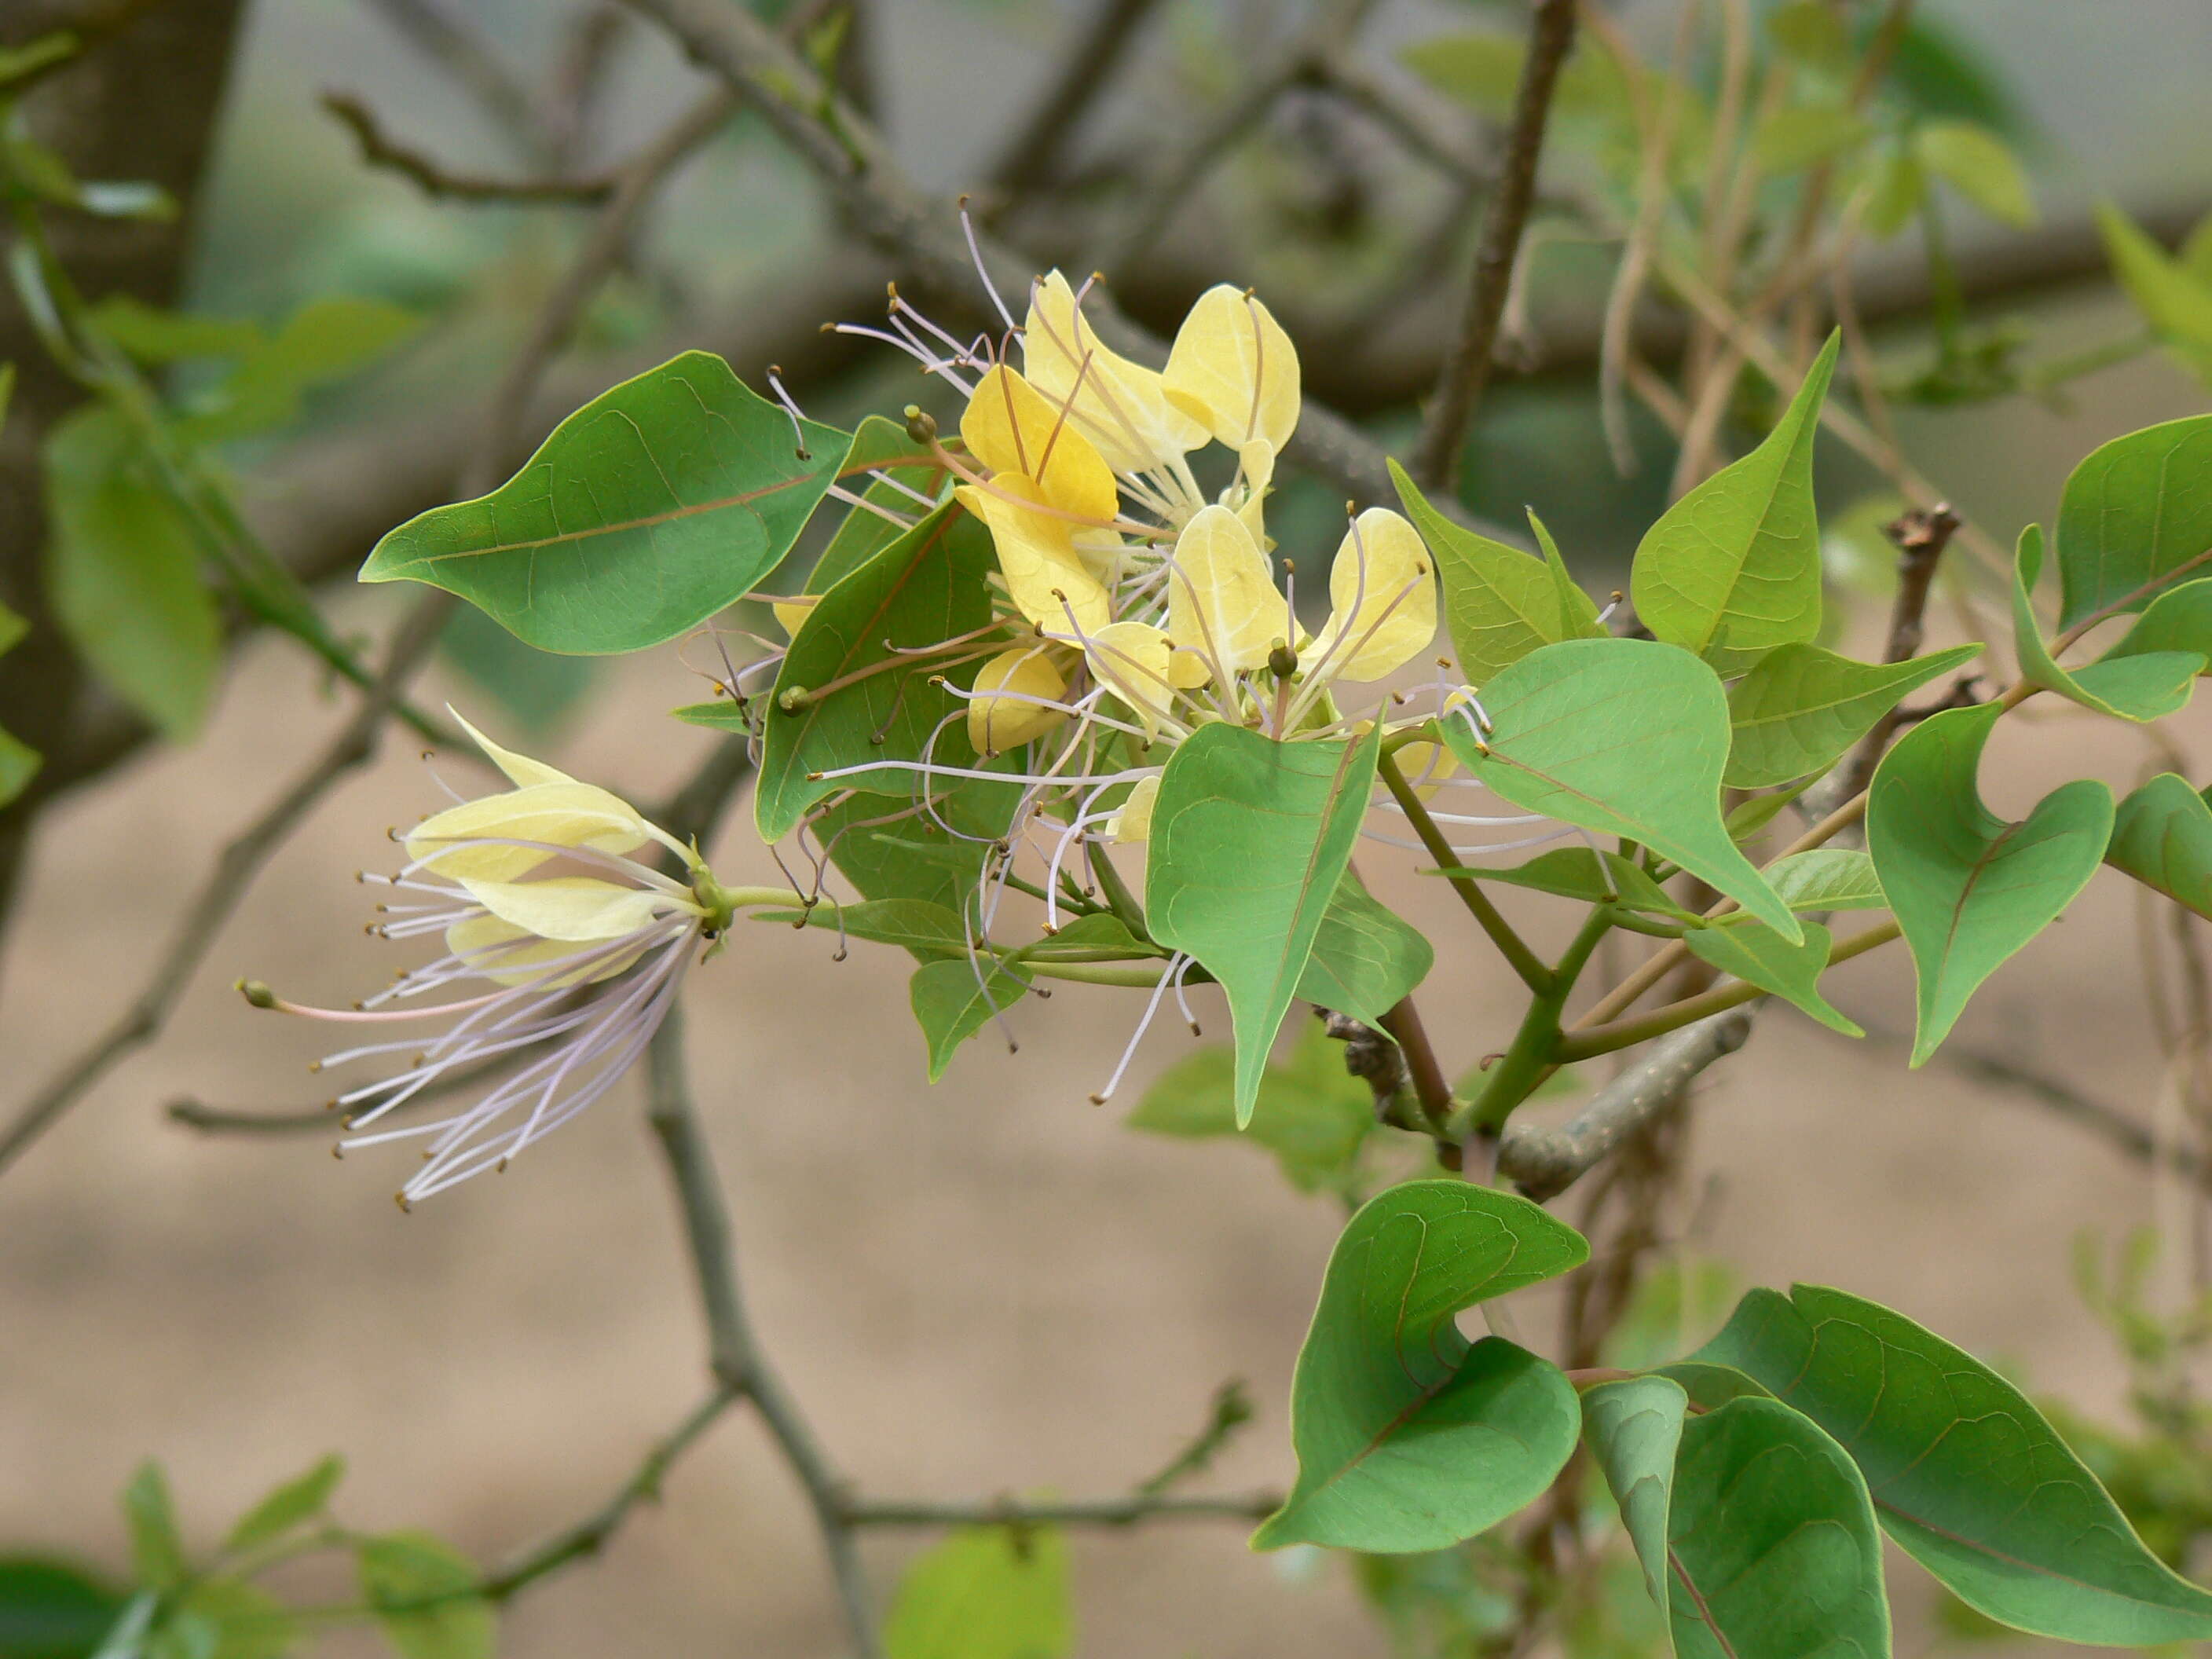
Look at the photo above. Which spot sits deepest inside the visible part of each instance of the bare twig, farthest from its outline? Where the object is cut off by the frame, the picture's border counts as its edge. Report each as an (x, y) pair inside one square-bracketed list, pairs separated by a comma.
[(234, 871), (1466, 362), (1194, 156), (380, 150), (1543, 1163), (222, 1120), (1078, 1512), (590, 1535), (734, 1353), (1032, 155)]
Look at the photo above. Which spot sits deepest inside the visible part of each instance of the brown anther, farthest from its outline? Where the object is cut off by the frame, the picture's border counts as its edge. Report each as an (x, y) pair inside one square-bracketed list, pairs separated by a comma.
[(314, 1066), (1098, 1100)]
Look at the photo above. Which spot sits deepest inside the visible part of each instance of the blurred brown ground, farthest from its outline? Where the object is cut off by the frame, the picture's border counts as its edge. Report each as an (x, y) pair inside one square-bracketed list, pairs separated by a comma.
[(985, 1286)]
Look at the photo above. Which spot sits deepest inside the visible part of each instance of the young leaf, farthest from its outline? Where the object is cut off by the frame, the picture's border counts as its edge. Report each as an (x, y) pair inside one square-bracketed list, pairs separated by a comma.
[(1749, 816), (1772, 1541), (928, 929), (1634, 1428), (1826, 878), (1624, 737), (1312, 1114), (1755, 954), (1408, 1438), (1801, 707), (2174, 298), (1577, 872), (1499, 603), (2162, 836), (1249, 840), (295, 1501), (2179, 619), (2135, 512), (123, 569), (926, 586), (224, 1619), (985, 1592), (19, 761), (1965, 1474), (1733, 568), (2127, 686), (1796, 137), (325, 340), (953, 1001), (420, 1590), (659, 502), (1365, 958), (157, 1549), (1969, 888), (1980, 165)]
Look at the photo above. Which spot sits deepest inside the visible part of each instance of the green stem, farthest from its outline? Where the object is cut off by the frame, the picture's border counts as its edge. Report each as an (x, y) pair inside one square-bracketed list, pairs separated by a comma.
[(1522, 960), (1512, 1078), (1627, 1033), (1144, 976)]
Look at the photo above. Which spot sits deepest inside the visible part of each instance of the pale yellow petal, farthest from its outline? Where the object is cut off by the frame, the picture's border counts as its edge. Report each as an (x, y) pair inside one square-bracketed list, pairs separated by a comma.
[(521, 770), (1122, 408), (1135, 661), (1133, 823), (1010, 428), (508, 955), (583, 908), (997, 723), (791, 616), (1235, 369), (1425, 766), (1382, 595), (1221, 601), (1255, 470), (555, 815), (1038, 558)]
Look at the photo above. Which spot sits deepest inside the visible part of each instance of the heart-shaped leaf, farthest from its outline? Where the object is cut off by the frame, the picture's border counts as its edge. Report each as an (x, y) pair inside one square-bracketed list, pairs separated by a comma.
[(1969, 888), (1407, 1437), (1801, 707), (1634, 1428), (1753, 952), (924, 587), (1733, 570), (2128, 686), (1250, 839), (1626, 737), (1826, 878), (2162, 836), (646, 512), (2135, 512), (1964, 1472)]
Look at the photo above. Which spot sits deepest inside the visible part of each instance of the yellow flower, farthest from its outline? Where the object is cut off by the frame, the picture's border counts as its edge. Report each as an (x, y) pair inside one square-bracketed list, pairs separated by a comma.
[(1223, 607), (1382, 595), (1233, 369), (1121, 407)]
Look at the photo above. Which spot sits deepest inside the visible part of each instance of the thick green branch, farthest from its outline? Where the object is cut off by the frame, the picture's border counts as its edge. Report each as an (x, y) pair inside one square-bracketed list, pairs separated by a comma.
[(1524, 960)]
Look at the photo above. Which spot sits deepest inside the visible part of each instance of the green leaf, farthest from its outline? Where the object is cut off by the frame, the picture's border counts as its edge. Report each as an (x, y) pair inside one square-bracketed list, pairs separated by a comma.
[(1826, 878), (928, 929), (1250, 839), (2174, 298), (1749, 816), (225, 1619), (1624, 737), (326, 340), (298, 1500), (1965, 1474), (927, 586), (422, 1592), (156, 336), (1791, 139), (1576, 873), (157, 1549), (1407, 1437), (39, 53), (1366, 959), (1772, 1541), (1810, 33), (646, 512), (19, 764), (1483, 69), (985, 1592), (877, 444), (1755, 954), (953, 1001), (1899, 187), (1801, 707), (2123, 684), (1969, 888), (1980, 165), (1634, 1428), (1101, 936), (1312, 1114), (1733, 568), (122, 573), (2179, 619), (916, 856), (2162, 836), (1499, 603), (2137, 512), (53, 1609)]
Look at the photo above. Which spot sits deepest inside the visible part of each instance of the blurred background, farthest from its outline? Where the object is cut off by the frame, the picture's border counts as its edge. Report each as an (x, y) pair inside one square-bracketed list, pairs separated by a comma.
[(988, 1286)]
